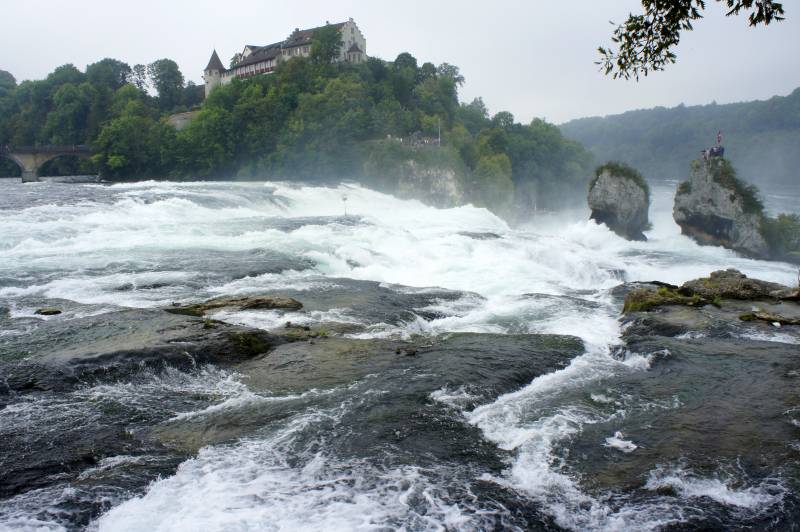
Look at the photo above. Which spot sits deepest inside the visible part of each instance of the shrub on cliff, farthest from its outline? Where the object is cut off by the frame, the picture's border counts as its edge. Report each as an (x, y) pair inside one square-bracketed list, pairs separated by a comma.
[(620, 169), (723, 172)]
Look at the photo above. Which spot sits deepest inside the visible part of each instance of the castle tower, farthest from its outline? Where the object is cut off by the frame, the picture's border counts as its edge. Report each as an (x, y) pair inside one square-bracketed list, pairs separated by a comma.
[(212, 75)]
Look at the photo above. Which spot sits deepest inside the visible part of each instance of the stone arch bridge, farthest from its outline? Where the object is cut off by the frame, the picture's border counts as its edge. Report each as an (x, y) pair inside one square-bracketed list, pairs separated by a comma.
[(31, 158)]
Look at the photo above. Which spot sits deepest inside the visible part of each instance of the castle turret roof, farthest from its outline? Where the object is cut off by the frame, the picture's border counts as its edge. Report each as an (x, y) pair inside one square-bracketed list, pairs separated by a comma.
[(214, 63)]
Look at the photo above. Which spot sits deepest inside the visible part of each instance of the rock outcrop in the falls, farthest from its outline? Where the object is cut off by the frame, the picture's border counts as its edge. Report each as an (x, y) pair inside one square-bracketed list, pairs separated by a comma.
[(619, 198), (436, 185), (715, 208)]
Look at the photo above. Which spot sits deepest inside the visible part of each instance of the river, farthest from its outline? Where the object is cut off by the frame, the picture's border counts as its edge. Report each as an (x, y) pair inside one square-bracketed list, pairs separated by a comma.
[(496, 430)]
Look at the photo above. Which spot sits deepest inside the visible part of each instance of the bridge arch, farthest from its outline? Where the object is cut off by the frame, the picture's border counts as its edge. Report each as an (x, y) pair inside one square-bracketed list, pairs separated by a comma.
[(31, 158), (11, 157)]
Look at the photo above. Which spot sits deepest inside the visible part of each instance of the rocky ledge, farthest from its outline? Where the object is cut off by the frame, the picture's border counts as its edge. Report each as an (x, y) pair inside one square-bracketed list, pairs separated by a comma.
[(238, 303), (751, 299), (619, 198)]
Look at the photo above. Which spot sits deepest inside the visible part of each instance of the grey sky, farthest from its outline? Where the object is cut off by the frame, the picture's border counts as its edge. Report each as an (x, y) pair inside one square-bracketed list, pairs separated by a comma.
[(533, 58)]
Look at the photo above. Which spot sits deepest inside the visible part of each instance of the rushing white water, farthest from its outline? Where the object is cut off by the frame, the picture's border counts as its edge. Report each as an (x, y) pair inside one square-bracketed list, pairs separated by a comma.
[(125, 247)]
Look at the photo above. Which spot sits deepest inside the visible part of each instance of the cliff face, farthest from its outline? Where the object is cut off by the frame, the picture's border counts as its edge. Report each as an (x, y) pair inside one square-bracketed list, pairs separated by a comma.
[(436, 185), (715, 209), (621, 204)]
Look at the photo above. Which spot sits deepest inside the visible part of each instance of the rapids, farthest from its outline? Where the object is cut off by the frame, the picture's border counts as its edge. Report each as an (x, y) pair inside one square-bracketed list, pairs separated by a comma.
[(556, 436)]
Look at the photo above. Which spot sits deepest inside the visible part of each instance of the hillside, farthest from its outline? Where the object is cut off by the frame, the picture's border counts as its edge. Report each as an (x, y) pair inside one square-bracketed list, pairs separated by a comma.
[(760, 138), (379, 122)]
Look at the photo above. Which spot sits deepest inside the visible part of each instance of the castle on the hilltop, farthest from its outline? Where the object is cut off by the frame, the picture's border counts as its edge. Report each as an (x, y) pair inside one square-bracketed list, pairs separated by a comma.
[(254, 60)]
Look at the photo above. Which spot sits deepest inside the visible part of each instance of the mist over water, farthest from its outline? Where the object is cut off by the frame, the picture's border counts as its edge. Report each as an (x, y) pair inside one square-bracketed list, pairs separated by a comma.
[(329, 455)]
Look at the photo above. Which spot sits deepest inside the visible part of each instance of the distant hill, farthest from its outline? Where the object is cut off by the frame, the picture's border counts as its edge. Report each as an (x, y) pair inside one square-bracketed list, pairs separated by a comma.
[(761, 138)]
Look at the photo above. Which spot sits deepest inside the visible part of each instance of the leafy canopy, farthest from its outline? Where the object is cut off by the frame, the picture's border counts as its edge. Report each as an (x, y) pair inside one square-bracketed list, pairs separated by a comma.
[(644, 42), (326, 45)]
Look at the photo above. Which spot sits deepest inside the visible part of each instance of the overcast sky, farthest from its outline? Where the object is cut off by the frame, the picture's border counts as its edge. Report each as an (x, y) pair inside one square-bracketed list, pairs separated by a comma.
[(534, 58)]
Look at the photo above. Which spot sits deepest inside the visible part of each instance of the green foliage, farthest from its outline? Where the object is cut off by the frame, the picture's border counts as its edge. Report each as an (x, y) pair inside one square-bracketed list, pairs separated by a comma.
[(644, 299), (492, 185), (723, 173), (167, 79), (783, 236), (310, 119), (685, 187), (109, 72), (645, 42), (7, 83), (134, 145), (618, 169), (326, 45)]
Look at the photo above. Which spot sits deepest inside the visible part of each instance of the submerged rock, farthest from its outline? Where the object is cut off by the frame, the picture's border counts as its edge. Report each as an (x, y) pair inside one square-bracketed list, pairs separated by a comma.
[(619, 198), (48, 311), (769, 317), (240, 303), (480, 236), (714, 208)]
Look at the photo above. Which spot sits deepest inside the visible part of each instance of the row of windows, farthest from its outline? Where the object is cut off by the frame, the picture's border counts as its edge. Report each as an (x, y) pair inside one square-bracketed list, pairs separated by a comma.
[(304, 50)]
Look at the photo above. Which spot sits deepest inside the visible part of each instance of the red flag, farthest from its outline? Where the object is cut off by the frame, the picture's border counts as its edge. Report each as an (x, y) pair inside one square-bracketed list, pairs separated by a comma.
[(719, 138)]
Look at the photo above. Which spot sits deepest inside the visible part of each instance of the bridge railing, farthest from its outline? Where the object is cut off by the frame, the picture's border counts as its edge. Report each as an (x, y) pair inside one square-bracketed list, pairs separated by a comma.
[(46, 148)]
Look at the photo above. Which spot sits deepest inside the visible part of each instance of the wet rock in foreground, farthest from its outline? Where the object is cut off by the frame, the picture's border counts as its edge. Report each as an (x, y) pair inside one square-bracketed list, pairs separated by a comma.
[(119, 343), (238, 303)]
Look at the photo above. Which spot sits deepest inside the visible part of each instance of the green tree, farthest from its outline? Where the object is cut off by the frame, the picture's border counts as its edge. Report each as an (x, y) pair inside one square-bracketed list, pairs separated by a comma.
[(503, 120), (109, 72), (326, 45), (193, 95), (139, 76), (405, 60), (446, 70), (167, 79), (321, 134), (7, 83), (493, 185), (133, 145), (645, 42), (66, 123)]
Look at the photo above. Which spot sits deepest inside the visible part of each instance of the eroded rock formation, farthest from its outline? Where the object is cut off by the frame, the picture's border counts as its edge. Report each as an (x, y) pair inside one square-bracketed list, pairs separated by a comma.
[(619, 198), (715, 208)]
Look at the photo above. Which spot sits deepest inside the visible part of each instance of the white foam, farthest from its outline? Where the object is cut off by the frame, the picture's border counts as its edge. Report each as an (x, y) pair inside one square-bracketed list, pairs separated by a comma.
[(720, 490), (277, 319), (780, 338), (618, 442), (251, 485), (456, 398)]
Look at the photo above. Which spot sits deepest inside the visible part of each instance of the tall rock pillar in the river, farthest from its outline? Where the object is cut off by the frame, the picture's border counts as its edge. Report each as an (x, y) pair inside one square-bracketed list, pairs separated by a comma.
[(715, 208), (620, 198)]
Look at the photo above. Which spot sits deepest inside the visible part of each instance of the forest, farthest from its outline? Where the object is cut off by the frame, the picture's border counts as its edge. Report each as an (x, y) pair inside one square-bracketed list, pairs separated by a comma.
[(312, 119), (760, 138)]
